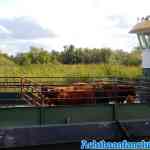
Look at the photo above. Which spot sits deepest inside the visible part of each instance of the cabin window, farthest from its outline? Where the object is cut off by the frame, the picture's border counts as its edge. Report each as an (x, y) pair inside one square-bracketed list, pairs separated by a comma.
[(139, 39), (144, 40)]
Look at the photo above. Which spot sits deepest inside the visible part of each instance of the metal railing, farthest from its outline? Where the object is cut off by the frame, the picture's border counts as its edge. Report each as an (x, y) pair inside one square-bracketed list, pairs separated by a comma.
[(29, 88)]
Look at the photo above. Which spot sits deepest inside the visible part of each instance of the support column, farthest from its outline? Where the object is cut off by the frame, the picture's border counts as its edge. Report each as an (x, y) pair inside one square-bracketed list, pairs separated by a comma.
[(146, 63)]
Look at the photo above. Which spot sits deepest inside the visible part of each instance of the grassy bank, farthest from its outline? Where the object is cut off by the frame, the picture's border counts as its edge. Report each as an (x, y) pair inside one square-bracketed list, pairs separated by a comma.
[(71, 70)]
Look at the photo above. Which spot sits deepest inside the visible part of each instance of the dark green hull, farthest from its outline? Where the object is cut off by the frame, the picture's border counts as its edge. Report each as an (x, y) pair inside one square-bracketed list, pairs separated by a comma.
[(32, 126)]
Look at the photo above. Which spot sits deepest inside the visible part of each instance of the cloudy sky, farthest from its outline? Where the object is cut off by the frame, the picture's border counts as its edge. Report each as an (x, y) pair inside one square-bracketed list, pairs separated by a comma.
[(51, 24)]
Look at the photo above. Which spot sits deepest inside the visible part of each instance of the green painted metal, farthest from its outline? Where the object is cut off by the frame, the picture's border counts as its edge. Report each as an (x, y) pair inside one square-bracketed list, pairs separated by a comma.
[(28, 116), (76, 114), (9, 96), (20, 116), (147, 73), (145, 42), (139, 39), (134, 111)]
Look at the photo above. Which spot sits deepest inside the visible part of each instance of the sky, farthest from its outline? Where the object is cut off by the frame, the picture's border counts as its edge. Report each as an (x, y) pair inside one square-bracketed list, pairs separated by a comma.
[(52, 24)]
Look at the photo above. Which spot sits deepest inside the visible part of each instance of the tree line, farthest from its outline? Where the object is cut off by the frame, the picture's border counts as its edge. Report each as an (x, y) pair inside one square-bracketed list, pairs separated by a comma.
[(72, 55)]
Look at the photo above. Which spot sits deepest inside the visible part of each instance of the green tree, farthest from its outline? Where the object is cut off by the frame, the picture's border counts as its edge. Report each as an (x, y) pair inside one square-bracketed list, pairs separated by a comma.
[(105, 54), (68, 55)]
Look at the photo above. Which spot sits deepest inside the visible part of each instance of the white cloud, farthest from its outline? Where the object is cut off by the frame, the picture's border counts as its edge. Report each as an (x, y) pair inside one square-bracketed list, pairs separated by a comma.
[(4, 30), (84, 23), (23, 28)]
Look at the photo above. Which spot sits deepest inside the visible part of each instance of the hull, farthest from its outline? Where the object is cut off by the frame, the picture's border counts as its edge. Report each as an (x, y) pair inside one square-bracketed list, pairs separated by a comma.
[(58, 134), (34, 126)]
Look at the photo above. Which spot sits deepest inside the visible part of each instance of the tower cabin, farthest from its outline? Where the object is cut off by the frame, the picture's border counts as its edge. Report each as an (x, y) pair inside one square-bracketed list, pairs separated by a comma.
[(142, 30)]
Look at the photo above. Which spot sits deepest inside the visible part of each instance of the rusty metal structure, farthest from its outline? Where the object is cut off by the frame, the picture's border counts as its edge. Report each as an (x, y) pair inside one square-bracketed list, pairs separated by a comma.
[(39, 92)]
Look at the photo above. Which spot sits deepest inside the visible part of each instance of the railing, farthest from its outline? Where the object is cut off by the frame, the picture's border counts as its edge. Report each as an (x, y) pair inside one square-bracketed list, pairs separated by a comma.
[(33, 93), (29, 88)]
